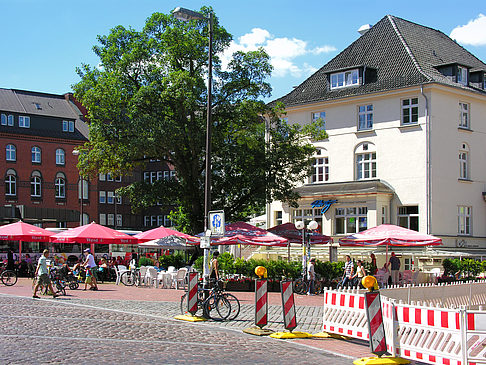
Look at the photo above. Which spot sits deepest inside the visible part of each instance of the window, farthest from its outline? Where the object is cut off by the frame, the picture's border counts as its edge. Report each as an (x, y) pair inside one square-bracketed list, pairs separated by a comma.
[(365, 165), (118, 179), (306, 215), (408, 217), (11, 152), (464, 220), (172, 174), (102, 199), (410, 111), (10, 120), (365, 117), (4, 119), (35, 186), (344, 79), (61, 224), (319, 117), (109, 177), (160, 220), (351, 220), (102, 177), (167, 221), (36, 154), (83, 189), (159, 175), (408, 264), (60, 157), (60, 187), (118, 199), (110, 197), (153, 220), (119, 220), (146, 220), (11, 184), (153, 176), (462, 75), (464, 162), (68, 126), (320, 167), (103, 219), (166, 175), (464, 115), (278, 217), (111, 219), (146, 176), (24, 121)]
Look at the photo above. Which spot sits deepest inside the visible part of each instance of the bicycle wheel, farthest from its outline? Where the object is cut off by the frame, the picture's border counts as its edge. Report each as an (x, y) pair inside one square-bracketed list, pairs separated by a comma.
[(235, 306), (217, 308), (300, 287), (128, 278), (318, 287), (9, 278), (60, 288), (73, 285)]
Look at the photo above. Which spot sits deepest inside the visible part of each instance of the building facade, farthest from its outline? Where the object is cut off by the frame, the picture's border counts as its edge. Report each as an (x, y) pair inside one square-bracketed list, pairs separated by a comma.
[(404, 107)]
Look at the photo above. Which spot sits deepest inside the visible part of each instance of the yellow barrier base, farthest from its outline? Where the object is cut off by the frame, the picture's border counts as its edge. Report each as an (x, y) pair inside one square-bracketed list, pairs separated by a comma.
[(290, 335), (189, 318), (380, 361), (257, 331), (322, 335)]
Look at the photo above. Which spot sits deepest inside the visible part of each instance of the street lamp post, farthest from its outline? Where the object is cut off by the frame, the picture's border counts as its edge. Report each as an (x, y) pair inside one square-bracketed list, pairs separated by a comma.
[(300, 225), (76, 153), (185, 15)]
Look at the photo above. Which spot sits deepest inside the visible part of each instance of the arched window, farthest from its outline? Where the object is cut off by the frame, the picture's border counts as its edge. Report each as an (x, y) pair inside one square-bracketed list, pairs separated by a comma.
[(11, 183), (60, 185), (60, 157), (11, 152), (464, 162), (36, 185), (365, 157), (320, 166), (36, 154)]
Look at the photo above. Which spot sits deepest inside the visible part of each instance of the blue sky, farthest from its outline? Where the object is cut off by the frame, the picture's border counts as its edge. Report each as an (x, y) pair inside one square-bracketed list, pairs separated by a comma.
[(43, 41)]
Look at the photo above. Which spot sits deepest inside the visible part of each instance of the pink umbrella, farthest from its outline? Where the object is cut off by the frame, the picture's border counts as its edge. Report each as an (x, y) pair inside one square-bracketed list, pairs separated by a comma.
[(246, 234), (20, 231), (93, 233), (288, 230), (162, 232)]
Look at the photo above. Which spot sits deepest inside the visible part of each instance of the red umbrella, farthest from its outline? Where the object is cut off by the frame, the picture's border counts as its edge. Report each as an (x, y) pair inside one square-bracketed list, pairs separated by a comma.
[(246, 234), (162, 232), (20, 231), (288, 231), (93, 233), (390, 235)]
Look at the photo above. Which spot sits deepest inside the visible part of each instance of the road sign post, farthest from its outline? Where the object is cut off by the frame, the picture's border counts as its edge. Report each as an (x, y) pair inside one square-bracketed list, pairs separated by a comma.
[(216, 223)]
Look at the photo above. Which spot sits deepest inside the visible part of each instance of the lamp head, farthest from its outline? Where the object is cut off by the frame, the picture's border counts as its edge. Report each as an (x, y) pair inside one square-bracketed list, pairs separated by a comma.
[(186, 14), (299, 225), (312, 225)]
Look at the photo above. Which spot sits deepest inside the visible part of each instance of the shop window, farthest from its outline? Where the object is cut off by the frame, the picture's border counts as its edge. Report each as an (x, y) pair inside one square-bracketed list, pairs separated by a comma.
[(351, 220), (408, 217)]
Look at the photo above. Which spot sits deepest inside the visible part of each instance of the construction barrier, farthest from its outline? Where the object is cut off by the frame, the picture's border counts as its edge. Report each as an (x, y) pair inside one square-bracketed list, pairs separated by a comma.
[(376, 329), (476, 337), (192, 293), (261, 303), (288, 305)]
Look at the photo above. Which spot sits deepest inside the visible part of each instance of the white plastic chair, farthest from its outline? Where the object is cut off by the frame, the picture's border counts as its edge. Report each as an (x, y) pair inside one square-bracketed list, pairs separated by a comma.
[(119, 270), (143, 272), (180, 279), (151, 277), (171, 269)]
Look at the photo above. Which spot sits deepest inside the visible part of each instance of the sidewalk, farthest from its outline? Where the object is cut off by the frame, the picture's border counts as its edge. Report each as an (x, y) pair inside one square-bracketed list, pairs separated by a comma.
[(165, 303)]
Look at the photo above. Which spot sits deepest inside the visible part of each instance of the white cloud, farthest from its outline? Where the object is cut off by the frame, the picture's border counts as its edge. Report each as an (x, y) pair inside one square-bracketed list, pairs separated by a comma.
[(473, 33), (283, 52)]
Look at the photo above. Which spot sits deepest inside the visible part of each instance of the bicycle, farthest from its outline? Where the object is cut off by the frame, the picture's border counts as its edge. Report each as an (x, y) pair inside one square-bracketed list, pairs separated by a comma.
[(301, 285), (8, 277), (214, 303), (131, 277)]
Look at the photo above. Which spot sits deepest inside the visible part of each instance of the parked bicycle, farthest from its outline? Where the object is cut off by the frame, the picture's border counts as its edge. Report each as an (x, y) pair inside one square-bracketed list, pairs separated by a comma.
[(8, 277), (131, 277), (301, 285), (214, 303)]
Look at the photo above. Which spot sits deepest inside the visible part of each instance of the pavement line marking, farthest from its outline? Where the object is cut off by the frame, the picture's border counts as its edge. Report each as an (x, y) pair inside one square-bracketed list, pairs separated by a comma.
[(98, 339)]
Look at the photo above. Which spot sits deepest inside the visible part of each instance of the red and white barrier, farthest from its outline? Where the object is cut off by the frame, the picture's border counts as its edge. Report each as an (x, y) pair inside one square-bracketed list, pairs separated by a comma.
[(376, 329), (476, 337), (261, 303), (192, 293), (288, 304)]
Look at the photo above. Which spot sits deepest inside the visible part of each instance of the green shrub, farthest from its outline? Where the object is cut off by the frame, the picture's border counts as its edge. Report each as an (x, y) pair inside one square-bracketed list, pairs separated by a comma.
[(177, 260), (145, 261)]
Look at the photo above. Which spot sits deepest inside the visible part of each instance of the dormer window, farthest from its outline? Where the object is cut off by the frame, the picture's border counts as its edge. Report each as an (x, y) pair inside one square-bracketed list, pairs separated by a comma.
[(344, 79), (462, 75)]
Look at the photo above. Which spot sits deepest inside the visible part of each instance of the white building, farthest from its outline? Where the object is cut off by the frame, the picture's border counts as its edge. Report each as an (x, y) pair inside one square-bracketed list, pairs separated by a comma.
[(405, 110)]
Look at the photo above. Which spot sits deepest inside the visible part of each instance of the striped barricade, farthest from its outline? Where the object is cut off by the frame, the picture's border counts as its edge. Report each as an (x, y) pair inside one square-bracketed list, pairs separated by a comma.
[(288, 305), (344, 314), (376, 329), (261, 303), (431, 335), (476, 337), (192, 293)]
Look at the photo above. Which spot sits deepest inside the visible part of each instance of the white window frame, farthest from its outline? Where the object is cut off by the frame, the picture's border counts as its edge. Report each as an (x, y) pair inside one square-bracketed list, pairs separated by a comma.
[(103, 219), (153, 220), (102, 197), (146, 220), (60, 156), (102, 177), (320, 167), (348, 214), (109, 177), (462, 75), (366, 165), (4, 119), (60, 188), (110, 197), (84, 190), (35, 187), (118, 199), (119, 220), (10, 152), (160, 220), (173, 174), (24, 121), (11, 120), (110, 219), (159, 175), (410, 108), (166, 175), (11, 185), (36, 154), (464, 220), (464, 115), (344, 79), (118, 179), (167, 221), (464, 163), (146, 176), (153, 176), (404, 214), (365, 117)]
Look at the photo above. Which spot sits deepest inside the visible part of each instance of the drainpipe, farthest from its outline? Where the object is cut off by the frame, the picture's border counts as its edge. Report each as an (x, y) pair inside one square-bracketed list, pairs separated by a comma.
[(427, 158)]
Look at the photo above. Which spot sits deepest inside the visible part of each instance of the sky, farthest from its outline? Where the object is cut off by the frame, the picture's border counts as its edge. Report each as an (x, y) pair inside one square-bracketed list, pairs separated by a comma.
[(43, 41)]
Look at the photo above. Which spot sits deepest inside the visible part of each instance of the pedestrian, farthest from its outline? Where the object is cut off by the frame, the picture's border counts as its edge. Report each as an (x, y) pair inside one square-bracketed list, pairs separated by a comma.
[(213, 267), (10, 261), (92, 269), (134, 257), (394, 264), (360, 273), (42, 275), (348, 272), (374, 267), (311, 276)]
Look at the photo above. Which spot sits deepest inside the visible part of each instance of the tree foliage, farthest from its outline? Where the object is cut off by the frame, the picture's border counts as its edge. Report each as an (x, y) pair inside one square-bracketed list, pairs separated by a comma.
[(147, 100)]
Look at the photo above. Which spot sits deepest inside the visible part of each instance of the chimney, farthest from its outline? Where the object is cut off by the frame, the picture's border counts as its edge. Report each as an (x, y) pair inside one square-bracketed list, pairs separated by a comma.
[(364, 28)]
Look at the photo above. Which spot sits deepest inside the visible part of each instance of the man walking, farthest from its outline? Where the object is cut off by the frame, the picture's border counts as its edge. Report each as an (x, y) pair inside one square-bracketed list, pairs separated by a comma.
[(348, 272), (311, 276), (42, 274), (90, 265), (395, 268)]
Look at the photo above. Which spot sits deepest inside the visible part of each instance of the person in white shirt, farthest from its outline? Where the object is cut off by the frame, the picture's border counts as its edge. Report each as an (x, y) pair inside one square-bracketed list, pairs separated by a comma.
[(42, 274), (91, 270), (311, 276)]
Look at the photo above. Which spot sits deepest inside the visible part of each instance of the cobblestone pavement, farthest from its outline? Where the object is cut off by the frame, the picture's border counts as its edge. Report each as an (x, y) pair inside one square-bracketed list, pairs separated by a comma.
[(84, 331)]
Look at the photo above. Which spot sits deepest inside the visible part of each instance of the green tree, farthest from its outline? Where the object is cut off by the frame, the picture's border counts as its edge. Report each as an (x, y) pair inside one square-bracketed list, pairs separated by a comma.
[(147, 100)]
